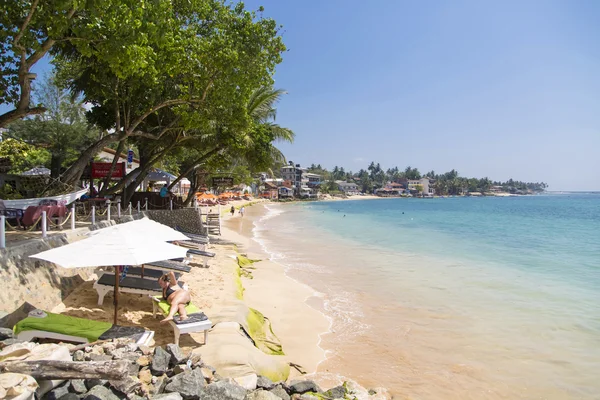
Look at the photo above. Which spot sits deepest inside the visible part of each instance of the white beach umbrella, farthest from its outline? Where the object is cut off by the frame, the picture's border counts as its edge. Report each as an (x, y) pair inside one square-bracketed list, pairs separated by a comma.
[(114, 249), (144, 229)]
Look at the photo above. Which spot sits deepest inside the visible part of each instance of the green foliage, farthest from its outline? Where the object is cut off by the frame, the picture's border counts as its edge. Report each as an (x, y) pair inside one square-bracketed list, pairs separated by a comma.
[(7, 192), (62, 129), (23, 156)]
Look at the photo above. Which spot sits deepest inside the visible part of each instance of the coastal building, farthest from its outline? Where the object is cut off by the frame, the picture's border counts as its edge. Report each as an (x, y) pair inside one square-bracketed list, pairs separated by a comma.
[(349, 189), (285, 192), (293, 174), (303, 183), (269, 191), (425, 183)]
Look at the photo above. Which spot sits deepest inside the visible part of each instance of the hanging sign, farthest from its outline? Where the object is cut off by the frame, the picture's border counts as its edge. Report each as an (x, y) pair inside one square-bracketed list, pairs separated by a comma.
[(222, 181), (130, 158), (100, 170)]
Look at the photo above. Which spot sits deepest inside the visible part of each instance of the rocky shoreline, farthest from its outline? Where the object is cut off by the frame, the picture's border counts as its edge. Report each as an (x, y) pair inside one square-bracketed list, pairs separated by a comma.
[(166, 373)]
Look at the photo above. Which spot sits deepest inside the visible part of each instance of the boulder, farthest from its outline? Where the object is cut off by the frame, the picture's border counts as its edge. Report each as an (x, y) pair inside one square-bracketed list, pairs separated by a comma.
[(145, 349), (280, 392), (180, 369), (143, 361), (6, 333), (145, 376), (189, 384), (77, 386), (10, 342), (78, 356), (93, 382), (69, 396), (261, 394), (248, 382), (262, 382), (100, 393), (177, 355), (57, 392), (160, 361), (223, 390), (300, 387), (207, 373), (127, 385), (354, 390), (338, 392), (158, 385), (167, 396)]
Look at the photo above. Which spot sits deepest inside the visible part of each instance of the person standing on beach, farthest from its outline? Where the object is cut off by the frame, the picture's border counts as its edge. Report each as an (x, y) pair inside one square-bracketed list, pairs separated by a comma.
[(242, 210), (232, 210)]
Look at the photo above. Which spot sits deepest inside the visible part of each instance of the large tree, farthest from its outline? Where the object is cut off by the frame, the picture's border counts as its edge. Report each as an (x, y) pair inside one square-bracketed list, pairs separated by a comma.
[(211, 58), (120, 33)]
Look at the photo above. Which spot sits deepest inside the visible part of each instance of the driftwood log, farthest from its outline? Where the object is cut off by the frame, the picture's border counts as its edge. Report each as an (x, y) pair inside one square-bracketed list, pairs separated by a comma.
[(52, 369)]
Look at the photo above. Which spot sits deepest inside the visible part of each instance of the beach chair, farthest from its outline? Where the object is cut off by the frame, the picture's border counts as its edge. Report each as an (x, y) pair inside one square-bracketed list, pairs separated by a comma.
[(194, 236), (148, 273), (130, 284), (204, 254), (197, 322), (78, 330), (169, 265)]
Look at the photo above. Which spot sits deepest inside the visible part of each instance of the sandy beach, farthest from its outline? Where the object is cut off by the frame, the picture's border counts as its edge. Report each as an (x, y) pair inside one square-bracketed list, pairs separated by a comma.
[(213, 289)]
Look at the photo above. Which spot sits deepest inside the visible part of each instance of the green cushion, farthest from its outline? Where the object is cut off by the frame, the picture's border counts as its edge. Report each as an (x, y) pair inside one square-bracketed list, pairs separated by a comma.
[(166, 307), (58, 323)]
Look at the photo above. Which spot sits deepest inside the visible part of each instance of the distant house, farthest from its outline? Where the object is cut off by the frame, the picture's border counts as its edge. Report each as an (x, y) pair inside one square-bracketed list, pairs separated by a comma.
[(349, 189), (285, 192), (302, 182), (425, 183), (293, 173), (270, 191)]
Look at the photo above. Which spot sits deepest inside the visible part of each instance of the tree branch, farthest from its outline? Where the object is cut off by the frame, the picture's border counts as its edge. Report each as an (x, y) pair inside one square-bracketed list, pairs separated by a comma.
[(25, 23)]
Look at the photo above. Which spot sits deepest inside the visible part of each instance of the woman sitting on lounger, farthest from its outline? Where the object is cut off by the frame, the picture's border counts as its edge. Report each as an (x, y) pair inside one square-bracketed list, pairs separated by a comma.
[(177, 297)]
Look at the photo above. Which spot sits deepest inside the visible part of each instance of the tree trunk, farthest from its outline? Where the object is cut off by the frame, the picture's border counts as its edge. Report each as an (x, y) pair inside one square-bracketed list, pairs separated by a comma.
[(55, 166), (194, 164), (113, 166), (52, 369), (73, 174), (192, 193)]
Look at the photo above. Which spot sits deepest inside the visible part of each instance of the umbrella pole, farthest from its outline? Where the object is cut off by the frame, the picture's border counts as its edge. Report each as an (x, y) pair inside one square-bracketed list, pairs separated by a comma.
[(116, 296)]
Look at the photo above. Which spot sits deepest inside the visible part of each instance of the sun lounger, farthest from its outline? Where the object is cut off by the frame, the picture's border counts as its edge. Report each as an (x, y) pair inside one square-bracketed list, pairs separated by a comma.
[(197, 322), (149, 273), (168, 265), (204, 254), (78, 330), (194, 236), (129, 284)]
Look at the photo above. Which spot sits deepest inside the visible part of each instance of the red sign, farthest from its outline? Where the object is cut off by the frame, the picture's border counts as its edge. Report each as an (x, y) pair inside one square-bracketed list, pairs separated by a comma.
[(100, 170)]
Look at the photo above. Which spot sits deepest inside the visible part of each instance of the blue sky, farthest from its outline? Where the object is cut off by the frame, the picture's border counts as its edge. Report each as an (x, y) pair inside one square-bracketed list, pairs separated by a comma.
[(505, 89), (498, 89)]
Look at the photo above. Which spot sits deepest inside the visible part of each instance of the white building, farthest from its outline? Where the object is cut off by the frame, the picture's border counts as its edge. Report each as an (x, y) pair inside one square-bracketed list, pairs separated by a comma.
[(426, 183)]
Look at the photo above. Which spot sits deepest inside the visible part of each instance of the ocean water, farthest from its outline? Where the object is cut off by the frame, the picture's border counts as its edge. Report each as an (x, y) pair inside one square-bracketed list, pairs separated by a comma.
[(451, 298)]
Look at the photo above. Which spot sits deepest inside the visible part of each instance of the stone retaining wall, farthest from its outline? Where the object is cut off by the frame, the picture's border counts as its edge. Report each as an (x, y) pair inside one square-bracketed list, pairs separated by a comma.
[(38, 282), (187, 218)]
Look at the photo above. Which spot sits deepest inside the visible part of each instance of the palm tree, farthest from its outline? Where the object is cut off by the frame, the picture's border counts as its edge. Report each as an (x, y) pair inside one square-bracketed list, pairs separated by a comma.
[(262, 111)]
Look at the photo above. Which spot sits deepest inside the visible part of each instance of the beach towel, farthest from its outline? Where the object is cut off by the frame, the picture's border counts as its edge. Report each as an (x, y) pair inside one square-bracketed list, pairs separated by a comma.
[(79, 327)]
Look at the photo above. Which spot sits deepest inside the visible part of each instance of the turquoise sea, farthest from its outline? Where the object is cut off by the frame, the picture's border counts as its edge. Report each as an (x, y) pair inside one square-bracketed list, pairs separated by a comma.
[(452, 297)]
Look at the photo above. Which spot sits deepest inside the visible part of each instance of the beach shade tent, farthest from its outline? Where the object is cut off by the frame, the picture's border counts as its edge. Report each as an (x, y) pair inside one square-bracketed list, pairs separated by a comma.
[(117, 248), (37, 171), (144, 229)]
